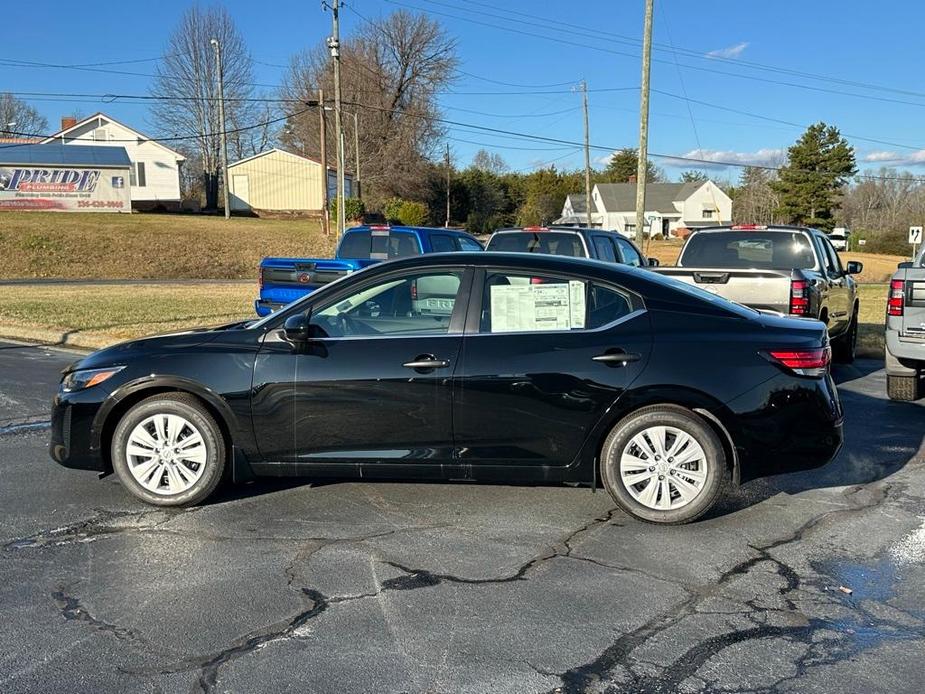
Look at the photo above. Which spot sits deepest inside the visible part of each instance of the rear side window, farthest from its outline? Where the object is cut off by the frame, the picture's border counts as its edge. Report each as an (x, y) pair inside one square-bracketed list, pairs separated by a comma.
[(604, 248), (442, 243), (378, 245), (773, 250), (550, 242), (468, 244), (518, 302), (629, 254)]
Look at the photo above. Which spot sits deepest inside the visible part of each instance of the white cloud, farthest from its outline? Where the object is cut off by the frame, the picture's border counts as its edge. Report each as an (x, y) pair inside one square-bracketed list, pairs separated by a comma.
[(718, 159), (730, 51), (916, 158)]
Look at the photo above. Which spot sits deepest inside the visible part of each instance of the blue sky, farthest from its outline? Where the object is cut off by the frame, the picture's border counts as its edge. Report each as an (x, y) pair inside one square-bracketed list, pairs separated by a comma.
[(595, 41)]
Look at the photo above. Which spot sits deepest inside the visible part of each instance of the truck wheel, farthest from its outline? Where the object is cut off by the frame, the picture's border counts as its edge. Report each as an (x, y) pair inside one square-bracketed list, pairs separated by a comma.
[(168, 450), (664, 464), (903, 388), (845, 347)]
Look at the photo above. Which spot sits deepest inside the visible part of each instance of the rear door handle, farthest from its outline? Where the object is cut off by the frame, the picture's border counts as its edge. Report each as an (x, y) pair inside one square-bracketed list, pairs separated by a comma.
[(426, 364), (616, 358)]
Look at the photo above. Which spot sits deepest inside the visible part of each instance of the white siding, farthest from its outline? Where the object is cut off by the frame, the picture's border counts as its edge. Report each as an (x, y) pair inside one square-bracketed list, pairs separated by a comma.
[(162, 170), (708, 196)]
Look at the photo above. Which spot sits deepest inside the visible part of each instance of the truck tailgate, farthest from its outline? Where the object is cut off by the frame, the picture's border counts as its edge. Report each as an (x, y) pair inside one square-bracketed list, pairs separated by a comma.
[(913, 320), (762, 289)]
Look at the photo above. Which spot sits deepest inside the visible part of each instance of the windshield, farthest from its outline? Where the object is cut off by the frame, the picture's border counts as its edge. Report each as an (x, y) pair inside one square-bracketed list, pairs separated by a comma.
[(770, 250), (378, 245), (550, 242)]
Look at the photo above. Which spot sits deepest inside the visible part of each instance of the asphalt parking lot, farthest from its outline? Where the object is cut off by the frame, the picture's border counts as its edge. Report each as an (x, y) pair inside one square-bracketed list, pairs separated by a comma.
[(804, 582)]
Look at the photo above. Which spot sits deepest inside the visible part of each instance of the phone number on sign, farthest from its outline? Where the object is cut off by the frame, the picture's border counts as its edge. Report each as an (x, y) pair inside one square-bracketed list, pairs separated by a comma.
[(100, 203)]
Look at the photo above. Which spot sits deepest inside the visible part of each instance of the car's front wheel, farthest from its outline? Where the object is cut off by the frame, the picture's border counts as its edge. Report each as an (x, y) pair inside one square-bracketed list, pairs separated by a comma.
[(168, 450), (663, 464)]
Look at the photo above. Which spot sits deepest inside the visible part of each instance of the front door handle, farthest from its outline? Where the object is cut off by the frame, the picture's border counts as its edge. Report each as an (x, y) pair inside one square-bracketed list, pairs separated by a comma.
[(616, 357), (426, 362)]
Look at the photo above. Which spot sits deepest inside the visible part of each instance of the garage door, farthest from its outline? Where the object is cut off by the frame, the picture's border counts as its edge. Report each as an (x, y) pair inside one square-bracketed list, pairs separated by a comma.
[(240, 193)]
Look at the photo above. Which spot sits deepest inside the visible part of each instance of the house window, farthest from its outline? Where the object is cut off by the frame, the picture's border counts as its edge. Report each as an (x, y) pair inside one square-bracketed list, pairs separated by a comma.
[(708, 214), (137, 175), (629, 227)]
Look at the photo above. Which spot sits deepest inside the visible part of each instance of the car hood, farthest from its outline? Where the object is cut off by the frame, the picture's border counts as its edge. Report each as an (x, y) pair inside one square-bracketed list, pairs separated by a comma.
[(123, 352)]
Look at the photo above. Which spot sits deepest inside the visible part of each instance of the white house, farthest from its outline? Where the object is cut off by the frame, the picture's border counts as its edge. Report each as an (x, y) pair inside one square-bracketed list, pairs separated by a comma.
[(155, 172), (669, 207)]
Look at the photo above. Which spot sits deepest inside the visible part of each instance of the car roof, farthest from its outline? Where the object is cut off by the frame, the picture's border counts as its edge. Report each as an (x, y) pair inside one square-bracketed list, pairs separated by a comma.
[(401, 227), (757, 227)]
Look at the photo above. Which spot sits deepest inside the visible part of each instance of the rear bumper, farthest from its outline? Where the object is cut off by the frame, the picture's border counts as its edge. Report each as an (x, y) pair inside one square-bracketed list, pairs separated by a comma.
[(265, 308), (795, 424), (904, 357)]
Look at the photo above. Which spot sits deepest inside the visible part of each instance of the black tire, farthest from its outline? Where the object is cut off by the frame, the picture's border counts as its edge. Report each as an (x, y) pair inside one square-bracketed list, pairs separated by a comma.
[(192, 410), (903, 388), (845, 347), (714, 461)]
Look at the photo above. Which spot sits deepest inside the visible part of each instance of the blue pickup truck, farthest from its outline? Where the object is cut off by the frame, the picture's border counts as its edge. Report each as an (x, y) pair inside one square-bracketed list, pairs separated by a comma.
[(283, 280)]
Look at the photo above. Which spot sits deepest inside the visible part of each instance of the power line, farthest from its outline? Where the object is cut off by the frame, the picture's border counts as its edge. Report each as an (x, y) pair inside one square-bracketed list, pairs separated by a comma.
[(557, 24)]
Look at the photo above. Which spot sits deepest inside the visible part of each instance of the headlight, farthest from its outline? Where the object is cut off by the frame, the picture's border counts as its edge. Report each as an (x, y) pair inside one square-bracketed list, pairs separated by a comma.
[(87, 378)]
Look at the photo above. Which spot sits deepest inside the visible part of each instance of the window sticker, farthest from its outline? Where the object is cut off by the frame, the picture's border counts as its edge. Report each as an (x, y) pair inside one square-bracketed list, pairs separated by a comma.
[(536, 307)]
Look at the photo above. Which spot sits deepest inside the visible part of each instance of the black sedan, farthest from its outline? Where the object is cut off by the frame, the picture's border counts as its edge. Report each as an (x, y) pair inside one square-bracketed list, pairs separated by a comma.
[(504, 367)]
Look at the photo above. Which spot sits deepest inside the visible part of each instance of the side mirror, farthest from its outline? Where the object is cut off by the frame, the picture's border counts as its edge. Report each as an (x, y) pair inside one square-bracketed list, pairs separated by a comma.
[(297, 328), (854, 267), (654, 262), (906, 264)]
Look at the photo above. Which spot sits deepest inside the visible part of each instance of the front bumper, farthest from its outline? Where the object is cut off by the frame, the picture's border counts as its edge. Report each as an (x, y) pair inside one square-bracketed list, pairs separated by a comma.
[(75, 431)]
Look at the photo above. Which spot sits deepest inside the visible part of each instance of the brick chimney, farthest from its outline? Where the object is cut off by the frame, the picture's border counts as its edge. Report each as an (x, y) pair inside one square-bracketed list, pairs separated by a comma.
[(631, 179), (68, 122)]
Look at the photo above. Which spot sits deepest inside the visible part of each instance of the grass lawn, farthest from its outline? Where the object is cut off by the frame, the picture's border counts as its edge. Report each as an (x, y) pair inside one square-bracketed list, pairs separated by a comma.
[(149, 246), (872, 320), (96, 316)]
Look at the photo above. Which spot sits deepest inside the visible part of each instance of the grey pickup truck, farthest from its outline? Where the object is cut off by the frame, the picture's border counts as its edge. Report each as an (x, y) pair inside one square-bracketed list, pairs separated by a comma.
[(782, 269), (905, 330)]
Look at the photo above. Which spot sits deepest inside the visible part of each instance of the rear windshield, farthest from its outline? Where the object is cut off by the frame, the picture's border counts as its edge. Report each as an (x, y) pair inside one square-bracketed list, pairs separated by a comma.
[(551, 242), (772, 250), (378, 245)]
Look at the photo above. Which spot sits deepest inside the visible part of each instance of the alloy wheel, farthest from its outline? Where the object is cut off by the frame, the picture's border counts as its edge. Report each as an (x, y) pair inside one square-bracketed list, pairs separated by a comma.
[(663, 468), (166, 454)]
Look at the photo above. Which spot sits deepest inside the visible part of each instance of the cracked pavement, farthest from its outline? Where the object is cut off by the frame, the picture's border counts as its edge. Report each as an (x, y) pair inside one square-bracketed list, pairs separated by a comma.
[(419, 587)]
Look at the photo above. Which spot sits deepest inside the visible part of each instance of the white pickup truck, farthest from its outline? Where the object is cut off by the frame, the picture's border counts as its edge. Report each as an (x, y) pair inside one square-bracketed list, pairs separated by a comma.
[(905, 330), (784, 269)]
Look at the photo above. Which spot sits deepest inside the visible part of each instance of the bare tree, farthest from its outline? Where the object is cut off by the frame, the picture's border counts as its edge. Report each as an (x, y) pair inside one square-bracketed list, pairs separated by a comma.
[(491, 162), (755, 202), (186, 88), (16, 116), (391, 72)]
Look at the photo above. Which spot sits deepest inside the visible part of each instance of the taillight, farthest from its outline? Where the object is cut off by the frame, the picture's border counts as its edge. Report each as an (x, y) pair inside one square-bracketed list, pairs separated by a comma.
[(896, 298), (414, 290), (799, 297), (259, 278), (804, 362)]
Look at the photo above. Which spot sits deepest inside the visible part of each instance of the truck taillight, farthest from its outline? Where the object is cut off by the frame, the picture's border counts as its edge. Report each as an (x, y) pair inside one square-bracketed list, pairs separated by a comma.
[(259, 278), (414, 290), (896, 298), (799, 298), (804, 362)]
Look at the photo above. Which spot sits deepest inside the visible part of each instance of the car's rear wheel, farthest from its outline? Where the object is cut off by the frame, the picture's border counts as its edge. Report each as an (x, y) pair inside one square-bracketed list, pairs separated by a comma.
[(168, 450), (845, 347), (903, 388), (664, 464)]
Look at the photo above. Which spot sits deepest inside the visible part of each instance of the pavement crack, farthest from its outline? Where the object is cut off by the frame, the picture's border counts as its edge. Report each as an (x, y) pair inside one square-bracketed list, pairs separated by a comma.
[(104, 523)]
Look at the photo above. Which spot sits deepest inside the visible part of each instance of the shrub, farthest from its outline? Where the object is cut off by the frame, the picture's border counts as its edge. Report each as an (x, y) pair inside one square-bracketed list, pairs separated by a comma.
[(405, 212), (353, 208)]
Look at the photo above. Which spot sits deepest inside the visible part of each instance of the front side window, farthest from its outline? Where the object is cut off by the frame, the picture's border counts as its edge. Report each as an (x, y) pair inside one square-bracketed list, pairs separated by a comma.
[(418, 304), (519, 302), (629, 254)]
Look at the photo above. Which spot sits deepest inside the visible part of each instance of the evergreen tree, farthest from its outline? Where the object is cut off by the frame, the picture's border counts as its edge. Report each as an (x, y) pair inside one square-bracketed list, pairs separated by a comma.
[(819, 164), (693, 176), (623, 165)]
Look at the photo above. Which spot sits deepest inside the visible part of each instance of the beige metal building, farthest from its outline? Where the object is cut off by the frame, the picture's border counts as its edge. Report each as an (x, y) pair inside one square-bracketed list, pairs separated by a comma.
[(278, 181)]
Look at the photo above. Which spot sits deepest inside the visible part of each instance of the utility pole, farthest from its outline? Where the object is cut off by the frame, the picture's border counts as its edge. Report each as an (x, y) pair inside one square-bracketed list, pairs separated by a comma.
[(357, 191), (323, 135), (221, 118), (584, 100), (643, 163), (334, 46), (447, 161)]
